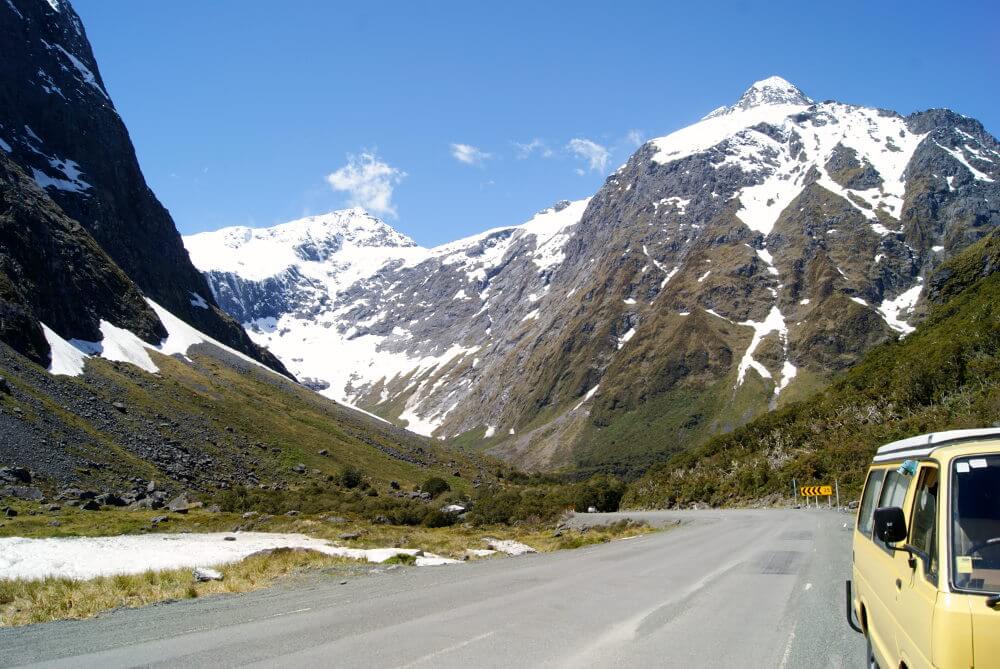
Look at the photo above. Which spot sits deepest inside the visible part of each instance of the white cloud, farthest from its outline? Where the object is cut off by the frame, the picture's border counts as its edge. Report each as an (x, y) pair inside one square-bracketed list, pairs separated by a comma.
[(634, 138), (469, 155), (535, 145), (369, 181), (596, 155)]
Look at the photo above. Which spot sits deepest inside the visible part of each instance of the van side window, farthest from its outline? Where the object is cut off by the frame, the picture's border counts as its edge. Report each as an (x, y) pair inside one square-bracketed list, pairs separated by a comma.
[(923, 521), (867, 510), (893, 494)]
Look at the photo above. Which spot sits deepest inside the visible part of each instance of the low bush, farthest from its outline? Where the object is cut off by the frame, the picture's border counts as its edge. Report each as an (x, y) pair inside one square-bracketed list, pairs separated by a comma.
[(545, 501), (435, 486)]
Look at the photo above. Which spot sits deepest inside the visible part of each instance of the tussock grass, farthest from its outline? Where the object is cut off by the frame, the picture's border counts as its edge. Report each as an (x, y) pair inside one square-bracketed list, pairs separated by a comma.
[(24, 602)]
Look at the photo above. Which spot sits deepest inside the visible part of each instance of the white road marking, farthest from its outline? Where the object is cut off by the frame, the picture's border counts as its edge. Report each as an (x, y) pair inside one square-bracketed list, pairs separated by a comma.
[(449, 649), (788, 649), (288, 613)]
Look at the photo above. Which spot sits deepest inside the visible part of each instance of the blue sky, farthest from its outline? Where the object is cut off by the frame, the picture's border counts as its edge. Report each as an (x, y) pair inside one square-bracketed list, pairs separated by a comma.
[(247, 112)]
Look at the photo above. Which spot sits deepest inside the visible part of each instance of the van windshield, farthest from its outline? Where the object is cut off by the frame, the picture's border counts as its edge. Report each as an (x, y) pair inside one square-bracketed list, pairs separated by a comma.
[(975, 537)]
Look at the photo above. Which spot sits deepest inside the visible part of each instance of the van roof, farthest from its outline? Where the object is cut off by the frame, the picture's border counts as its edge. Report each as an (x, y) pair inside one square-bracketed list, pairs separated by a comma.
[(925, 444)]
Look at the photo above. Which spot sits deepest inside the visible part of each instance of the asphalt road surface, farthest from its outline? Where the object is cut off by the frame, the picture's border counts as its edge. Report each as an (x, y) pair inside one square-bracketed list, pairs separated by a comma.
[(723, 589)]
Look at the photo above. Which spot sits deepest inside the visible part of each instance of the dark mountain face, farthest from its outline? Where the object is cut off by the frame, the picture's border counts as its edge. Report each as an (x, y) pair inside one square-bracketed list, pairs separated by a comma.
[(59, 125), (53, 272)]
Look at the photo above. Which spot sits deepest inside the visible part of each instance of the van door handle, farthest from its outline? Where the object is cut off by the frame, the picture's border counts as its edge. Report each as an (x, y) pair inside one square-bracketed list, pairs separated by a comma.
[(899, 584)]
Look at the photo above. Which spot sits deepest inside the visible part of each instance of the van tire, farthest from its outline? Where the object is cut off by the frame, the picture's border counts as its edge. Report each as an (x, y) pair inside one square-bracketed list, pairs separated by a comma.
[(870, 661)]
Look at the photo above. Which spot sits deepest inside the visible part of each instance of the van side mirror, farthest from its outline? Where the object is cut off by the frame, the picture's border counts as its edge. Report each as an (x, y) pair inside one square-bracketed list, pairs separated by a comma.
[(890, 524)]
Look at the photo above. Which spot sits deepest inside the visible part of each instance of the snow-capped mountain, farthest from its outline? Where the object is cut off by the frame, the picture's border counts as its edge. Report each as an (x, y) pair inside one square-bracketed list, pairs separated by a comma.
[(730, 266), (350, 303)]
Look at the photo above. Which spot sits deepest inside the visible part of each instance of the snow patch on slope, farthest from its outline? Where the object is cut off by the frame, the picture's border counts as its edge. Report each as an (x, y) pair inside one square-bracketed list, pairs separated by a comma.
[(894, 311), (120, 345)]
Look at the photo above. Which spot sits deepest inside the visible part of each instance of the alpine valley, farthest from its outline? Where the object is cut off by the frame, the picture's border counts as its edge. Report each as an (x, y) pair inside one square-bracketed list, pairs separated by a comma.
[(726, 269), (119, 373)]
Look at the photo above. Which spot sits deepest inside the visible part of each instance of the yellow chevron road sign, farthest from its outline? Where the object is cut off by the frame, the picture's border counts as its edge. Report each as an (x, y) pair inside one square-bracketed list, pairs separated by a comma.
[(816, 490)]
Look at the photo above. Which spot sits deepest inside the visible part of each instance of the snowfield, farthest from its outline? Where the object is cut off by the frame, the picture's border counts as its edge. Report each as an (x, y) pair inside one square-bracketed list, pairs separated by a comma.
[(90, 557)]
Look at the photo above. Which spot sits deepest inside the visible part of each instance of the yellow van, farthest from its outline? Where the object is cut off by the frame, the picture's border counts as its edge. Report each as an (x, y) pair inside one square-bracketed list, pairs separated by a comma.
[(926, 571)]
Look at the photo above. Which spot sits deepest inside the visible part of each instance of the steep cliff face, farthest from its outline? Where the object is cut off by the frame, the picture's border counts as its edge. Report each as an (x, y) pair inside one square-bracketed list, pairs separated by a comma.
[(725, 269), (53, 274), (57, 122)]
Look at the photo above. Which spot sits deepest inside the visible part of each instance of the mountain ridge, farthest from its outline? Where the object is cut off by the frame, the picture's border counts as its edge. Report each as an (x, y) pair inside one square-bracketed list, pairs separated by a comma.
[(725, 269)]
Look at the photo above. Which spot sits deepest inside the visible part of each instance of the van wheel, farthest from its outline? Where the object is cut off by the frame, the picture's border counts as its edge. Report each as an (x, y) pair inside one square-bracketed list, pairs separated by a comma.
[(870, 661)]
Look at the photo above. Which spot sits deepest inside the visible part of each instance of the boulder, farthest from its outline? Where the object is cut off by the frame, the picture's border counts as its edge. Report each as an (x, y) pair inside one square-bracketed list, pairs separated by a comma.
[(180, 504), (9, 512), (350, 536), (4, 386), (205, 574), (109, 499), (15, 475), (299, 468), (90, 505), (120, 407), (324, 452), (27, 493)]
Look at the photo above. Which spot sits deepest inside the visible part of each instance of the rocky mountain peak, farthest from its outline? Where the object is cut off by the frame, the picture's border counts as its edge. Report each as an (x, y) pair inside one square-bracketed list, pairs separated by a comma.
[(766, 92)]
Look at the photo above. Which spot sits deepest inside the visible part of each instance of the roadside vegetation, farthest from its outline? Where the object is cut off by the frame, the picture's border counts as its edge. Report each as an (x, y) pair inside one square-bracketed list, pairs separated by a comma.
[(526, 509), (24, 602), (945, 375)]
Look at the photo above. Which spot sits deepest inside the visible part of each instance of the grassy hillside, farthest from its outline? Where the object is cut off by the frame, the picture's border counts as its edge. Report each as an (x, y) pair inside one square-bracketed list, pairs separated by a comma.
[(944, 375), (207, 423)]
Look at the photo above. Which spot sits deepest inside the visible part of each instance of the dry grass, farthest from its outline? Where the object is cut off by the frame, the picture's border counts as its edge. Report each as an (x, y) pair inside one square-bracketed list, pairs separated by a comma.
[(447, 541), (23, 602)]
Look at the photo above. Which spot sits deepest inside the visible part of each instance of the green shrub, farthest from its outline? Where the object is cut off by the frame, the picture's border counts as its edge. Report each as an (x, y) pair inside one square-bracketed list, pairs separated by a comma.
[(435, 486), (436, 518), (351, 477), (601, 492), (401, 558)]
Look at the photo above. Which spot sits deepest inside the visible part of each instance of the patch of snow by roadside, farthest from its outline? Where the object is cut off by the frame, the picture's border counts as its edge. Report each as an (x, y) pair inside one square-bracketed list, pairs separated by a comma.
[(508, 546), (90, 557)]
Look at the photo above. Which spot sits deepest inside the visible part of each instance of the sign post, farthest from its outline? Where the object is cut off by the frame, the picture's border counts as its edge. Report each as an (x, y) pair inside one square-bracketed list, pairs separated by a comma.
[(817, 491)]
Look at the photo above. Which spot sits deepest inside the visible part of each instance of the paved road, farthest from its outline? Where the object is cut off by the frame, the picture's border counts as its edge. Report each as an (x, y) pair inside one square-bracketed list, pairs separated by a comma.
[(724, 589)]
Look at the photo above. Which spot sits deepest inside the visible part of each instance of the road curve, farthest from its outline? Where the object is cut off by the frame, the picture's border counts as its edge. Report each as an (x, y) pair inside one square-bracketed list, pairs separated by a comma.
[(723, 589)]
